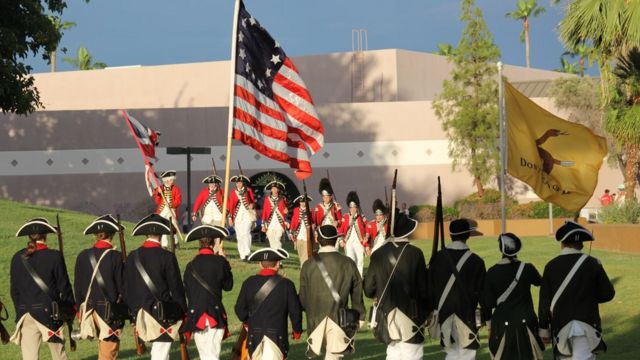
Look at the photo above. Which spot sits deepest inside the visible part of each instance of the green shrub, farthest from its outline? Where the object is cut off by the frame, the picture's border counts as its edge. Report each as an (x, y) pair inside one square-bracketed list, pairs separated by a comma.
[(424, 213), (628, 213), (541, 211)]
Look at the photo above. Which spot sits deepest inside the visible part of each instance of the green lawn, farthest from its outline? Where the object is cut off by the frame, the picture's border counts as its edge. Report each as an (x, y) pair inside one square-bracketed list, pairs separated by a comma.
[(621, 317)]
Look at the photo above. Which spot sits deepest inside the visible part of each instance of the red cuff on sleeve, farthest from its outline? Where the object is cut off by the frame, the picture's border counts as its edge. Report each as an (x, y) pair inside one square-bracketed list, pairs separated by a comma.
[(295, 335)]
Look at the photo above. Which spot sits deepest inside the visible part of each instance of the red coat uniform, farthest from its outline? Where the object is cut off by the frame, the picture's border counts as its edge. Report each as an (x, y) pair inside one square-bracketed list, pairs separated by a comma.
[(172, 194), (372, 230), (205, 197), (297, 222), (346, 228), (267, 213), (318, 215), (234, 201)]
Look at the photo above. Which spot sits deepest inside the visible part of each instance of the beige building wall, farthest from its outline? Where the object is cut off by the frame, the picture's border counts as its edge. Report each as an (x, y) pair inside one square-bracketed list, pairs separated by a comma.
[(78, 153)]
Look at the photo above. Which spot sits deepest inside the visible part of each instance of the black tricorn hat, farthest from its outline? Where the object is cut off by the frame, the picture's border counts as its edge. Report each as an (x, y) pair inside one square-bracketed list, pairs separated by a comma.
[(378, 207), (273, 183), (403, 225), (572, 232), (460, 228), (509, 244), (103, 224), (325, 187), (353, 200), (212, 179), (268, 254), (168, 173), (328, 232), (36, 226), (153, 224), (300, 198), (242, 178), (207, 231)]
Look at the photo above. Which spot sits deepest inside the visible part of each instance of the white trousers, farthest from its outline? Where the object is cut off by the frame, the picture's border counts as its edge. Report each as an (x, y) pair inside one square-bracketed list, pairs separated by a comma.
[(160, 350), (274, 233), (209, 342), (457, 353), (399, 350), (164, 241), (581, 349), (242, 225), (354, 250)]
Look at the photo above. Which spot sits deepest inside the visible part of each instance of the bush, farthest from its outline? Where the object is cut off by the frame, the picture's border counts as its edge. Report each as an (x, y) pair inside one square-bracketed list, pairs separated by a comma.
[(541, 211), (628, 213), (424, 213), (482, 208)]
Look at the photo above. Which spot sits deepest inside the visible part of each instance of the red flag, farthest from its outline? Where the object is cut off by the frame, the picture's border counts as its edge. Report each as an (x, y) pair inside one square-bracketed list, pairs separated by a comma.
[(273, 110), (147, 140)]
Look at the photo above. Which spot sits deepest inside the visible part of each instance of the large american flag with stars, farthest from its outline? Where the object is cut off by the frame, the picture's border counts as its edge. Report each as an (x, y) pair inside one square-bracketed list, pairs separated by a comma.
[(273, 110)]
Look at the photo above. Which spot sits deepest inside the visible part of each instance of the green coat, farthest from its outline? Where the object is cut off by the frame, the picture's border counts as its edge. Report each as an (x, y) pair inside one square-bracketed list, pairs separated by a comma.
[(315, 296)]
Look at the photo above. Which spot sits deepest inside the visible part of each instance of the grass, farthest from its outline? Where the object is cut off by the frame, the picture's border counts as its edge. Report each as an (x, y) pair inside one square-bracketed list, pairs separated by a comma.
[(621, 317)]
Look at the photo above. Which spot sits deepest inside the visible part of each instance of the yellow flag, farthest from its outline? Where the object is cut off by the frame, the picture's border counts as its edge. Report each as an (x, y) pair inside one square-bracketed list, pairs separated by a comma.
[(559, 159)]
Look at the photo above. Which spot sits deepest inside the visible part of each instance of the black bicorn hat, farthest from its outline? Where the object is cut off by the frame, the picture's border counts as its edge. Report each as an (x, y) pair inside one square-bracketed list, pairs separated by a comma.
[(103, 224), (460, 227), (168, 173), (509, 244), (328, 232), (378, 207), (325, 187), (153, 224), (212, 179), (36, 226), (268, 254), (300, 199), (239, 178), (275, 183), (572, 232), (403, 225), (207, 231), (353, 200)]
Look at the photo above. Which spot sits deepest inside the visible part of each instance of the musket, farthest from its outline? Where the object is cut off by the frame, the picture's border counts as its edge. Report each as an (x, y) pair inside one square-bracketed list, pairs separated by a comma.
[(184, 353), (141, 349), (213, 163), (386, 198), (334, 191), (438, 225), (392, 209), (307, 224), (4, 334), (72, 342)]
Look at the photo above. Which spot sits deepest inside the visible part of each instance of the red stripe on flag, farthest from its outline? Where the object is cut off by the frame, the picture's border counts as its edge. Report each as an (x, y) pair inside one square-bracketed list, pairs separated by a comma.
[(248, 97), (261, 127), (304, 118)]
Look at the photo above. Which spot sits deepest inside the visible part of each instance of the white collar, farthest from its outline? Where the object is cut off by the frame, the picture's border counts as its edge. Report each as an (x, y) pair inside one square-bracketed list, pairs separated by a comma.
[(457, 245), (569, 251), (404, 239), (327, 249), (153, 240), (504, 261)]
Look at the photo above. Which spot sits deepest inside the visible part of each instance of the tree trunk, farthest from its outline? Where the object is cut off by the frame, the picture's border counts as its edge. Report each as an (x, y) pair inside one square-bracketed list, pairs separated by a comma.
[(479, 186), (526, 42), (53, 58), (581, 62), (632, 153)]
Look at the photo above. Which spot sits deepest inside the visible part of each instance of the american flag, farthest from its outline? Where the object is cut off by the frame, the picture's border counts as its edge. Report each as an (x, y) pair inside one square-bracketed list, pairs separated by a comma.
[(147, 140), (273, 110)]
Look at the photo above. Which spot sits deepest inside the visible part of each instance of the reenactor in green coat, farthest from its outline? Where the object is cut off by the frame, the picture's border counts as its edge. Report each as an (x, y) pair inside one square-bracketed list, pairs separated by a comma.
[(327, 282), (513, 326)]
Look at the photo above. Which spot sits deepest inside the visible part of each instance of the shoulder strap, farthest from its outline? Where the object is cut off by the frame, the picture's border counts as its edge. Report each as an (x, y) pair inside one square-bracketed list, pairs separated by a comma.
[(452, 278), (145, 277), (263, 293), (509, 290), (566, 280), (96, 274), (38, 280), (327, 278), (201, 281), (394, 262)]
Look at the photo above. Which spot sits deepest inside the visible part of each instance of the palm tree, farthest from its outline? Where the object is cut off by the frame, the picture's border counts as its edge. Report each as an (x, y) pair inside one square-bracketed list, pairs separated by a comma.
[(566, 66), (84, 61), (623, 120), (585, 54), (60, 26), (526, 10)]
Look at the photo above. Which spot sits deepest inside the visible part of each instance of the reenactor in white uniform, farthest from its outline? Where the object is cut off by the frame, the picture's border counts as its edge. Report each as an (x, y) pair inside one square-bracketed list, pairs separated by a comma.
[(573, 284), (353, 232), (327, 212), (242, 213), (298, 229), (168, 198), (274, 214), (209, 205)]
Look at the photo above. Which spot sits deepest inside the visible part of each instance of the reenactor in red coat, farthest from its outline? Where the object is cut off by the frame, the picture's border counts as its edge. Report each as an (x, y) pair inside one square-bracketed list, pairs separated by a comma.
[(242, 212), (353, 232), (378, 229), (328, 212), (209, 205), (298, 228), (274, 213), (168, 198)]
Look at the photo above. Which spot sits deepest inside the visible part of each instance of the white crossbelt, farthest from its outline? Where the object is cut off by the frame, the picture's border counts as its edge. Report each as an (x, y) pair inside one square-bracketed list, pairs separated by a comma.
[(452, 279), (566, 280), (512, 286)]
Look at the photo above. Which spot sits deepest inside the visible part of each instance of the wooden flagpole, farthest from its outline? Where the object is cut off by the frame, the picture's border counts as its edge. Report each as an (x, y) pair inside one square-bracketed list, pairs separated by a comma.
[(503, 150), (232, 71)]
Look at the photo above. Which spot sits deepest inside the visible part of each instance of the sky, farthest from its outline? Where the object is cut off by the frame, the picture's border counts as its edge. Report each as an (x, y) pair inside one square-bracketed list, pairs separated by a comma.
[(155, 32)]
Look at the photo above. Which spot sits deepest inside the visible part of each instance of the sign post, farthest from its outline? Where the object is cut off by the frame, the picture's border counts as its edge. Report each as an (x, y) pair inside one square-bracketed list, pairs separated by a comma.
[(188, 151)]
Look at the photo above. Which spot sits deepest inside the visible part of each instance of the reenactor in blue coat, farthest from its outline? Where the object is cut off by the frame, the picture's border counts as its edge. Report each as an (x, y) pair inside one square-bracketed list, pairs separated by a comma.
[(154, 290), (103, 303), (205, 277), (41, 293), (573, 284), (513, 325), (264, 302)]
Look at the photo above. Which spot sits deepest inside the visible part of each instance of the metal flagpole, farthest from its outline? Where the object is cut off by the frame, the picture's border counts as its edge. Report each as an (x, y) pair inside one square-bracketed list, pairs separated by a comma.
[(503, 150), (232, 70)]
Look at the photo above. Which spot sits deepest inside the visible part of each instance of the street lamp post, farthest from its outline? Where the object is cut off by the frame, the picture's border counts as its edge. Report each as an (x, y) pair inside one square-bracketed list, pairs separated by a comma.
[(176, 150)]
